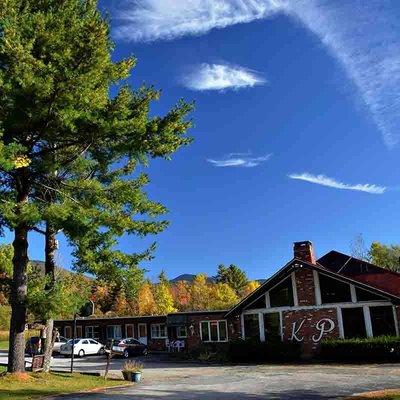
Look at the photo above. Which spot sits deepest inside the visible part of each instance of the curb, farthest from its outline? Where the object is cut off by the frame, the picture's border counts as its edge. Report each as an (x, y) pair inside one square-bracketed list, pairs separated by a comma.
[(83, 393)]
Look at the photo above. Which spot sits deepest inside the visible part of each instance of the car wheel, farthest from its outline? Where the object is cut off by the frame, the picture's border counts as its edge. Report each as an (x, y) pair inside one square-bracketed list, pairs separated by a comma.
[(126, 354), (144, 352), (102, 351), (81, 353)]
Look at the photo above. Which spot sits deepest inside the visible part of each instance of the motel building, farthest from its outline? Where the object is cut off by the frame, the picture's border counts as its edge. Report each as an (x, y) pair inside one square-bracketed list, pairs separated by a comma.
[(307, 301)]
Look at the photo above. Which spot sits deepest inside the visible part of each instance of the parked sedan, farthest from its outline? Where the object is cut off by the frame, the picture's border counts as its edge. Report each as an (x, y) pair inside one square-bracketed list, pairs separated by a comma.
[(129, 347), (60, 340), (82, 348)]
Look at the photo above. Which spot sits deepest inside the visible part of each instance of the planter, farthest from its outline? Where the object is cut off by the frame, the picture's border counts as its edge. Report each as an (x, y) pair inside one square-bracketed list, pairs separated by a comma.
[(136, 376), (132, 376)]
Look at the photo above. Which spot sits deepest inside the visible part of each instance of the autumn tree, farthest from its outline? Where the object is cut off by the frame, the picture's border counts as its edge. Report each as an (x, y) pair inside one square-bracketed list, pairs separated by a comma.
[(181, 292), (146, 302), (163, 296), (61, 136), (250, 288), (222, 297), (200, 293), (233, 276), (386, 256)]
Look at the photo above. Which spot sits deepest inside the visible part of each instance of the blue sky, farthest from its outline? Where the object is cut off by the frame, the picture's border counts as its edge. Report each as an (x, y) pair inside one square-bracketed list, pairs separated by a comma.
[(296, 126)]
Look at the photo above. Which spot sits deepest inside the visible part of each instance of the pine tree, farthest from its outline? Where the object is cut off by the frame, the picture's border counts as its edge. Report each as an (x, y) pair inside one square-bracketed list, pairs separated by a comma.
[(61, 136), (232, 275)]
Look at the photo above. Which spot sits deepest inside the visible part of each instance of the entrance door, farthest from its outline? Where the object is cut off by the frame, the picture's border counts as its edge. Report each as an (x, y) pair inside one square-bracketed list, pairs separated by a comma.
[(129, 331), (142, 334)]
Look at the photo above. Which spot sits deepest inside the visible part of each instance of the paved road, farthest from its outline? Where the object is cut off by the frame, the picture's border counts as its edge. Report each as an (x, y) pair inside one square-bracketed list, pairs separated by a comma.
[(309, 382)]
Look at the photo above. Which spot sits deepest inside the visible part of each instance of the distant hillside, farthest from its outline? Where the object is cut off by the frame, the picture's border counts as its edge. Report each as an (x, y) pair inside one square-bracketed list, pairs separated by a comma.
[(37, 264), (189, 278)]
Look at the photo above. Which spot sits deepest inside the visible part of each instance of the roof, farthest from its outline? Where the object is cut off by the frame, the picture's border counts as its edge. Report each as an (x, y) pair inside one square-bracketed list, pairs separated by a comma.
[(362, 271), (340, 266)]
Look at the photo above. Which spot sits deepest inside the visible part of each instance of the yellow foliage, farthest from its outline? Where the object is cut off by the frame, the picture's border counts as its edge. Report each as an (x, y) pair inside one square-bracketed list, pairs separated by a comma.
[(146, 302), (250, 287), (21, 161)]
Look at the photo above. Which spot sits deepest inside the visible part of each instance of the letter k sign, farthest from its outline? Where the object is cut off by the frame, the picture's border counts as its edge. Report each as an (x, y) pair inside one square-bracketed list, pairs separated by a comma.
[(295, 331)]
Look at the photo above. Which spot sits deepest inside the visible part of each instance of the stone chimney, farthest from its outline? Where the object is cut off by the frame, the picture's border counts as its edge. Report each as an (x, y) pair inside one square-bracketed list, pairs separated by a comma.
[(304, 251)]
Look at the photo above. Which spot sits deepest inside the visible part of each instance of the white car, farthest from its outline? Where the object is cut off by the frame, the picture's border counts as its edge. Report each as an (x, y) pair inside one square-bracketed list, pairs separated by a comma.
[(82, 348)]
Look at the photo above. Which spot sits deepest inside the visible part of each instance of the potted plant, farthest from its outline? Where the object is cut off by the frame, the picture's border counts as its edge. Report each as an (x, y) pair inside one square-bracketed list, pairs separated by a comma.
[(132, 371)]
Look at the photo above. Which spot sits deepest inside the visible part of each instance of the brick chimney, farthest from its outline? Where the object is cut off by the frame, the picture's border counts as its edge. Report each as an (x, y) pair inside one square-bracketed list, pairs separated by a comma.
[(304, 251)]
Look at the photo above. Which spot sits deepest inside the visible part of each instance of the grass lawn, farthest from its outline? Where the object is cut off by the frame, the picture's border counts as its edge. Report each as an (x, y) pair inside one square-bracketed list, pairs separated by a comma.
[(36, 385)]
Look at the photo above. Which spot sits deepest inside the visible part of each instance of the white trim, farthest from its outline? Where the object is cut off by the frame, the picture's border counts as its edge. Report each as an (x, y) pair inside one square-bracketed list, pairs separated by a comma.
[(261, 326), (353, 293), (218, 333), (281, 324), (242, 325), (317, 288), (126, 330), (396, 322), (267, 300), (340, 322), (367, 319), (331, 305), (294, 289)]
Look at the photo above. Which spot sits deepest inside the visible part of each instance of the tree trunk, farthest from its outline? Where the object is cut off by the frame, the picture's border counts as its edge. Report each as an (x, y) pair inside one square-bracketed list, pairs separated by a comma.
[(50, 269), (16, 354)]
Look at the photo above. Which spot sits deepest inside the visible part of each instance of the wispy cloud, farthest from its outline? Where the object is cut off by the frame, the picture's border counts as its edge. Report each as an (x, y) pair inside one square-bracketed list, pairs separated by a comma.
[(149, 20), (221, 77), (333, 183), (362, 35), (239, 160)]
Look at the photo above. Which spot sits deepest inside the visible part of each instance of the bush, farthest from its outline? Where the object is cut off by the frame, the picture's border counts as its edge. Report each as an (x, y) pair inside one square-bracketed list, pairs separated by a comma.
[(252, 350), (383, 348)]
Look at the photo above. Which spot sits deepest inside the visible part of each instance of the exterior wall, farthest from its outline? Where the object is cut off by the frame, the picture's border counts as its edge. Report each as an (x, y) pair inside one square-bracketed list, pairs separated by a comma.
[(305, 287), (310, 327)]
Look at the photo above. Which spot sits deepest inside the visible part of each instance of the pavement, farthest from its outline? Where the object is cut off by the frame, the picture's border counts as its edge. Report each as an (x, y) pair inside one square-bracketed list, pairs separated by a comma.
[(168, 380)]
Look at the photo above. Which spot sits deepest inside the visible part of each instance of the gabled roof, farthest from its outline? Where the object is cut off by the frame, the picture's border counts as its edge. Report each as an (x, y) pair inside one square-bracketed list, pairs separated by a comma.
[(363, 280), (362, 271)]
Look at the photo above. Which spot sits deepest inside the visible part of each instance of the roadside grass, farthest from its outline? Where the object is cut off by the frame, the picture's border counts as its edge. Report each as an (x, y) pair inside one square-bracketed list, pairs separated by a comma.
[(36, 385), (3, 340), (392, 394)]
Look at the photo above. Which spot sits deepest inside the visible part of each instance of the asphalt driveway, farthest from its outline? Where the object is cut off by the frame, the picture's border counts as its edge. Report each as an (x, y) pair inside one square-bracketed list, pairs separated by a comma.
[(172, 381)]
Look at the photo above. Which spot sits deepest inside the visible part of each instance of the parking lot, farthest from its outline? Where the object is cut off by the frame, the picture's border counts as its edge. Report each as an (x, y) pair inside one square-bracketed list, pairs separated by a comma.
[(187, 381)]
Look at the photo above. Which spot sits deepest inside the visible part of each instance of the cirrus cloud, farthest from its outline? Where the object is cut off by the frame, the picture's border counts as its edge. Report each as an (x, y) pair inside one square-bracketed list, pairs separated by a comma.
[(363, 36), (239, 160), (333, 183), (220, 77)]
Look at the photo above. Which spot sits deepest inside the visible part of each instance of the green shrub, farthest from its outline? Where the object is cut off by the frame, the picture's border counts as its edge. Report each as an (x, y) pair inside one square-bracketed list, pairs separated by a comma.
[(383, 348), (252, 350)]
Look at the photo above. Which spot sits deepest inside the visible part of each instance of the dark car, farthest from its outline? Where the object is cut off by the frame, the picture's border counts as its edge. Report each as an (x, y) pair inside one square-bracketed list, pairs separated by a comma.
[(129, 347), (33, 346)]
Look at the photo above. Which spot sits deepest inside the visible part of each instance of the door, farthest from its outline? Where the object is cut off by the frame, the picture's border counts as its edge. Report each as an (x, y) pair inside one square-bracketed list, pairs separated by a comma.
[(129, 333), (142, 334)]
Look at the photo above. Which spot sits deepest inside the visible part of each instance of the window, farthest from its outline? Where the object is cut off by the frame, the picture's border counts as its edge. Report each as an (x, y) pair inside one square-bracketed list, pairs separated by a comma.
[(114, 332), (91, 341), (92, 332), (181, 331), (251, 326), (158, 331), (259, 303), (353, 322), (214, 331), (364, 295), (382, 320), (282, 294), (333, 291), (129, 331), (272, 326)]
